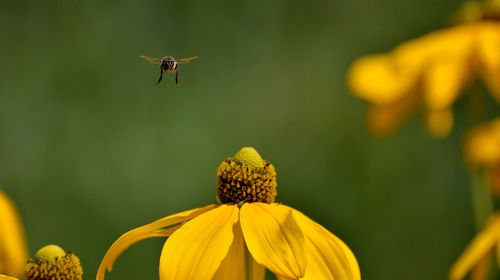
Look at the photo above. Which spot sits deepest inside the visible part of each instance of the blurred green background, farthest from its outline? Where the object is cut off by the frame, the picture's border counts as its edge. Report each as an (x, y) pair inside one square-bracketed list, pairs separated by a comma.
[(90, 148)]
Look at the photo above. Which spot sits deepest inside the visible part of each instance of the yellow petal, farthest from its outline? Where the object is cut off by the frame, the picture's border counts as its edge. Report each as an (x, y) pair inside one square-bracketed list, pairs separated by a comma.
[(497, 246), (197, 249), (383, 120), (13, 251), (377, 79), (494, 176), (481, 270), (258, 270), (234, 265), (443, 80), (453, 42), (283, 278), (479, 247), (5, 277), (274, 238), (442, 58), (328, 257), (489, 55), (154, 229), (439, 122), (489, 45), (482, 145)]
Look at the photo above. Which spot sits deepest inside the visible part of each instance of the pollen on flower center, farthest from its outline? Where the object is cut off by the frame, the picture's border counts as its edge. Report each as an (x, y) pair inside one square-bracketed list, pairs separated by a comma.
[(246, 178), (52, 263)]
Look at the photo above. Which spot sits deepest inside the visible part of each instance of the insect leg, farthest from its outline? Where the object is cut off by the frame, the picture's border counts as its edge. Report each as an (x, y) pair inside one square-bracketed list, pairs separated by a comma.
[(177, 77), (161, 76)]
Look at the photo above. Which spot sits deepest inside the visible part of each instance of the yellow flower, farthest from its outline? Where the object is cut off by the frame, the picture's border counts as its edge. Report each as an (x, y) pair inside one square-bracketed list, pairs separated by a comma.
[(482, 150), (13, 251), (51, 263), (243, 235), (429, 72), (477, 255)]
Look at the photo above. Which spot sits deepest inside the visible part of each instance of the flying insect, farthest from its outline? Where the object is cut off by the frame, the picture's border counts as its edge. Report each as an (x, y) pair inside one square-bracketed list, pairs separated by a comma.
[(169, 64)]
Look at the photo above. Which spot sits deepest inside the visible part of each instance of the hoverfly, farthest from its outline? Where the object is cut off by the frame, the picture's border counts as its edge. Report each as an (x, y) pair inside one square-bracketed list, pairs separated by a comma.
[(169, 64)]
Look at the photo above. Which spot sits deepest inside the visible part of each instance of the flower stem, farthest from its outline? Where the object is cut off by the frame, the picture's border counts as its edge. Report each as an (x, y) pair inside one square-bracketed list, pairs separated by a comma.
[(482, 201), (475, 112)]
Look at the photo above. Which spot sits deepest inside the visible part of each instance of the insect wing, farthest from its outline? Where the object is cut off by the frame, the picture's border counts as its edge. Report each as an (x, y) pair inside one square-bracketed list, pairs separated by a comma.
[(185, 60), (151, 59)]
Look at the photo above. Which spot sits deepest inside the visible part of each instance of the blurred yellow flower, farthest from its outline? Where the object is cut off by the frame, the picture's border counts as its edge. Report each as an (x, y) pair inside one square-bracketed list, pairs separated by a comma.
[(243, 235), (482, 150), (13, 251), (429, 72), (477, 255), (51, 263)]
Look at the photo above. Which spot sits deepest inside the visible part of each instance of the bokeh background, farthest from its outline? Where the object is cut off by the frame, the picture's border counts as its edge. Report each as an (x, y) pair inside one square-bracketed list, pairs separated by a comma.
[(90, 148)]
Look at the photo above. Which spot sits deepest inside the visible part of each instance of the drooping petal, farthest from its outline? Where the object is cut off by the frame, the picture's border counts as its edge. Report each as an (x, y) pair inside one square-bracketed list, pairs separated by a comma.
[(197, 249), (5, 277), (482, 144), (489, 55), (154, 229), (13, 249), (493, 174), (383, 120), (479, 247), (328, 257), (258, 270), (454, 41), (488, 45), (377, 79), (234, 265), (439, 122), (273, 238), (443, 79), (443, 59), (482, 268), (497, 247)]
